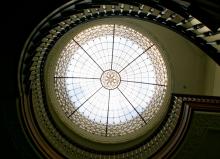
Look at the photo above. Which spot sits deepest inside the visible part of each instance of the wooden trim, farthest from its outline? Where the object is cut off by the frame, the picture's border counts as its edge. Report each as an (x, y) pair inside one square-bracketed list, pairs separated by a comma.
[(198, 103)]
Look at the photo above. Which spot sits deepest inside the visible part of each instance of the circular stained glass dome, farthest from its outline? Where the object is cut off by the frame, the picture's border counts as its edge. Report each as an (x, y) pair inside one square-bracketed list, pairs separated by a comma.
[(110, 80)]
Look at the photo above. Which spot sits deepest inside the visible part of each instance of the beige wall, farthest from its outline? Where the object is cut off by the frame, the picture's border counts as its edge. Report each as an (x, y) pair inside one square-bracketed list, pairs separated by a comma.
[(188, 62), (212, 78), (193, 72), (216, 89)]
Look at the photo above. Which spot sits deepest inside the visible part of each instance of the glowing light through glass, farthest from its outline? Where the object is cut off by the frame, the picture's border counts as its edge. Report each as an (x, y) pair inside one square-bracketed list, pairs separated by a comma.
[(110, 80)]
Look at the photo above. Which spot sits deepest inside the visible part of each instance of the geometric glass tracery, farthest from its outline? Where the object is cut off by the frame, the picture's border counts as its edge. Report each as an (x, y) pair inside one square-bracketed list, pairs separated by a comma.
[(110, 80)]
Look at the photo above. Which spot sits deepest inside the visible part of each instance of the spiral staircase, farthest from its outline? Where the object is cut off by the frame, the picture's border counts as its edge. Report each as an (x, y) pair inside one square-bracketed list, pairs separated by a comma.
[(190, 119)]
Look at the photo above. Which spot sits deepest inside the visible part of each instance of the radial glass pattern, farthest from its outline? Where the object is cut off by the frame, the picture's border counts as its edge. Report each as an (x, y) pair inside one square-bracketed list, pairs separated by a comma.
[(110, 80)]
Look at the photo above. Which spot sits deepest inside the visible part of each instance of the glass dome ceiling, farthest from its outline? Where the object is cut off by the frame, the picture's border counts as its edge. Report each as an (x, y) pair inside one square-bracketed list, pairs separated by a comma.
[(110, 80)]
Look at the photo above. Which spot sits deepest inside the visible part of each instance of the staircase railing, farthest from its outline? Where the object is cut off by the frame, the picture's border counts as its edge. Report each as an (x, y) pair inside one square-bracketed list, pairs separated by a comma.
[(33, 108)]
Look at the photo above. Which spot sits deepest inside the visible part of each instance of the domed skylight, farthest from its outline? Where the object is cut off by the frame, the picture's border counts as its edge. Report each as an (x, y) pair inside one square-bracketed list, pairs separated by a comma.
[(110, 80)]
